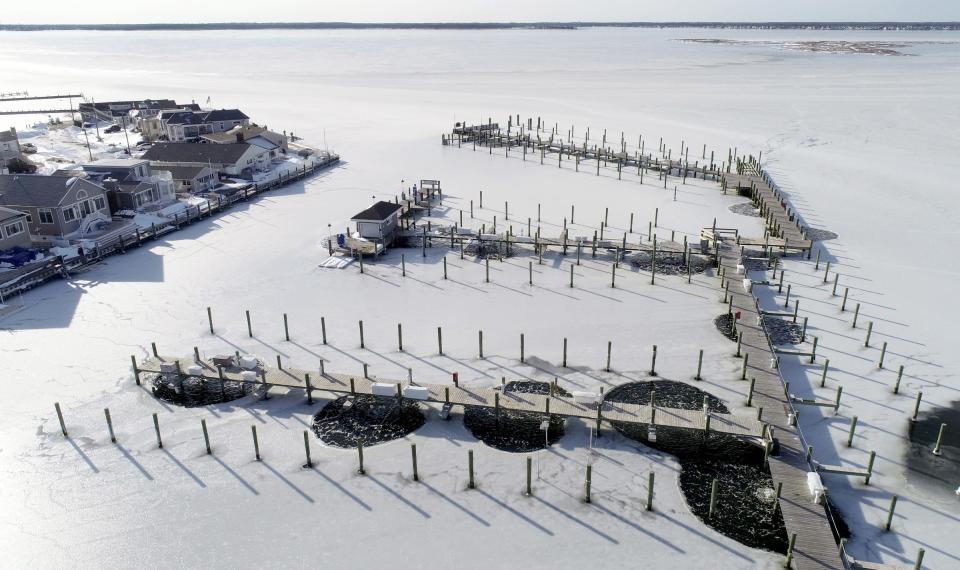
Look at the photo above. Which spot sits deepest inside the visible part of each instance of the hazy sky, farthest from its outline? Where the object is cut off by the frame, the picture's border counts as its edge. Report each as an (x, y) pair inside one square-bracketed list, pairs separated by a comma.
[(125, 11)]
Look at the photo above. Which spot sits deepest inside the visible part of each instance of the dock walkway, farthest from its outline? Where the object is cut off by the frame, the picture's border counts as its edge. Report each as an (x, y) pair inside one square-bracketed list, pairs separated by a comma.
[(729, 424), (815, 547)]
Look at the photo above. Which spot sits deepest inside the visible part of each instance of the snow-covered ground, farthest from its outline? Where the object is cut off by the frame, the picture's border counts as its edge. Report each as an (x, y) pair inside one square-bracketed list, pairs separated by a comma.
[(64, 145), (858, 141)]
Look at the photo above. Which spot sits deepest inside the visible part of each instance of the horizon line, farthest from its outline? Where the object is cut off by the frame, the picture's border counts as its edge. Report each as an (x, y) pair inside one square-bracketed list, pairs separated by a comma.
[(863, 24)]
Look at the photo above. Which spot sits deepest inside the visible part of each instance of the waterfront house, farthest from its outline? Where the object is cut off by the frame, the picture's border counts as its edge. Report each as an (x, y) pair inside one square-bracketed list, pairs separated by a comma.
[(191, 125), (131, 184), (56, 206), (192, 179), (274, 143), (234, 159)]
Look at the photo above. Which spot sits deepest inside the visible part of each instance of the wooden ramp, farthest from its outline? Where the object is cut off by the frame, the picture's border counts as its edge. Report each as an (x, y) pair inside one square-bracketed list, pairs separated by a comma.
[(728, 424)]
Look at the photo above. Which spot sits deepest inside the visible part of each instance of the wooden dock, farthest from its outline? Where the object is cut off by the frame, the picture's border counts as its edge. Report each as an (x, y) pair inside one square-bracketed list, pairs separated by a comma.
[(454, 235), (539, 144), (815, 546), (729, 424)]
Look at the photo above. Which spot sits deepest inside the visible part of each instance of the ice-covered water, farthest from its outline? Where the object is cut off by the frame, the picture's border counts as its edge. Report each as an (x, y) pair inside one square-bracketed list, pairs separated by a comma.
[(862, 143)]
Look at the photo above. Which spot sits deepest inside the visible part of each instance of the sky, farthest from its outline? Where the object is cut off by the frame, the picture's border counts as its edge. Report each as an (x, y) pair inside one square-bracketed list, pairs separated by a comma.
[(125, 12)]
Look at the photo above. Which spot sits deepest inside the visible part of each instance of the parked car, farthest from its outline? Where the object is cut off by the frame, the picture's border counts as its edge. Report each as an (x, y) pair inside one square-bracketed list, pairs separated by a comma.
[(28, 148), (113, 129)]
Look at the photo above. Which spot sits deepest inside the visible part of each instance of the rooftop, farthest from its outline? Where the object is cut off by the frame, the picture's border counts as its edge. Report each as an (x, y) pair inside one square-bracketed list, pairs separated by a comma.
[(39, 190), (379, 211), (7, 214), (231, 135), (115, 163), (183, 172), (196, 152)]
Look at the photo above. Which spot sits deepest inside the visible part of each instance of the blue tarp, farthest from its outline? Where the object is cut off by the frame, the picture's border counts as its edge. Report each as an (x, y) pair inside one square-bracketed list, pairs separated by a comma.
[(17, 256)]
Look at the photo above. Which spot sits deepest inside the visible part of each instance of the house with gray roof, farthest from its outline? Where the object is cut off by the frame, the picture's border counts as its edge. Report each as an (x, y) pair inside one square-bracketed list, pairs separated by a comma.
[(131, 184), (192, 179), (235, 159), (190, 125), (56, 206), (275, 143)]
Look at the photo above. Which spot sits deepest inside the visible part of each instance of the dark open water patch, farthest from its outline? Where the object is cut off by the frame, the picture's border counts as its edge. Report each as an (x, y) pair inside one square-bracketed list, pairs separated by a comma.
[(782, 331), (936, 472), (191, 391), (366, 419), (724, 324), (745, 209), (515, 431), (820, 235), (745, 507), (670, 263)]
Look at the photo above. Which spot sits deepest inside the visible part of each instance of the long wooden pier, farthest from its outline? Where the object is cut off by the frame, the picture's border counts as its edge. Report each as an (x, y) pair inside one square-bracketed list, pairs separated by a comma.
[(309, 381), (815, 544), (535, 142)]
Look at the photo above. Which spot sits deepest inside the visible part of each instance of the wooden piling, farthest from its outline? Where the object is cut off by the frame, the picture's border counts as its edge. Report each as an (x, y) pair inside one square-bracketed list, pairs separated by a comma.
[(256, 443), (63, 427), (790, 546), (210, 319), (206, 435), (360, 470), (249, 327), (413, 459), (113, 437), (586, 494), (713, 498), (136, 370), (470, 484), (156, 428), (529, 475), (937, 446)]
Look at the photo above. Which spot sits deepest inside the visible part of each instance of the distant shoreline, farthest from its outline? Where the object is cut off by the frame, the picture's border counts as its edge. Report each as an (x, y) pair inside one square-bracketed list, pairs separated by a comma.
[(860, 26)]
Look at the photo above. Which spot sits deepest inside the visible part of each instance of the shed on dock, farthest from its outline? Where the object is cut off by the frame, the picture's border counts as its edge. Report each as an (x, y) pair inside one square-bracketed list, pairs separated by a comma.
[(379, 222)]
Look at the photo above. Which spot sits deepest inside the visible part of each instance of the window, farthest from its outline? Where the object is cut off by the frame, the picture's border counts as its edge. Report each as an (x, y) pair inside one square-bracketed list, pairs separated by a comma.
[(99, 203), (85, 208), (69, 214), (46, 217), (14, 228)]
